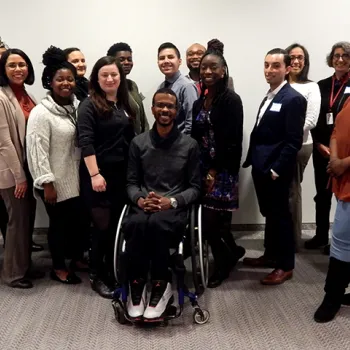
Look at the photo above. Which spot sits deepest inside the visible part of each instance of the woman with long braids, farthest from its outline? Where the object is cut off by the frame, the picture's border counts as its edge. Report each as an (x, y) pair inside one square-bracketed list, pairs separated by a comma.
[(218, 128)]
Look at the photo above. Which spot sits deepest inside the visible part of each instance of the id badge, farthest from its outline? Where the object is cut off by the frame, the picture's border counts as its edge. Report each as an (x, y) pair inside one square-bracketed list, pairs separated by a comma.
[(330, 120)]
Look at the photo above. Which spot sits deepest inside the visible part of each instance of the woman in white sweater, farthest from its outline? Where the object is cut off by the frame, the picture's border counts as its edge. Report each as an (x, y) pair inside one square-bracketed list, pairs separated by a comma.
[(53, 160), (298, 78)]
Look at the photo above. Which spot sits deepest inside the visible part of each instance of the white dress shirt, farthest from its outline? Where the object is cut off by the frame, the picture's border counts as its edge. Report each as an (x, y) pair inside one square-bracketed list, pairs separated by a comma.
[(270, 96)]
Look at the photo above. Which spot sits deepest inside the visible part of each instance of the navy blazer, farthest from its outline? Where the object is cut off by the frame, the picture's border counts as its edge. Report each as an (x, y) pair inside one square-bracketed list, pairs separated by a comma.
[(276, 140)]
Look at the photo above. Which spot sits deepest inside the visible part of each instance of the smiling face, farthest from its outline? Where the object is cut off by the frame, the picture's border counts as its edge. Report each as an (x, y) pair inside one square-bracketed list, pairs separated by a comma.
[(77, 59), (164, 109), (297, 57), (168, 62), (341, 61), (194, 55), (275, 70), (109, 79), (63, 83), (16, 69), (212, 70)]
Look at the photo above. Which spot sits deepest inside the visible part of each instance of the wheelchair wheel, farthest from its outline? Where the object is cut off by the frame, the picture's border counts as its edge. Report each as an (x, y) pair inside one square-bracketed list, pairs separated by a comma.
[(201, 316), (118, 246), (199, 253)]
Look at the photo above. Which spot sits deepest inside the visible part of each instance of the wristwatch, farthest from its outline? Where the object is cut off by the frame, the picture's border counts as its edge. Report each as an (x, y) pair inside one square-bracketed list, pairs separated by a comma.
[(173, 203)]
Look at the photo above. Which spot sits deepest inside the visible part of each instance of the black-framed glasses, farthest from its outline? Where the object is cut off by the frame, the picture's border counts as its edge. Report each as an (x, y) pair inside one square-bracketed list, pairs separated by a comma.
[(300, 58), (162, 105), (344, 56)]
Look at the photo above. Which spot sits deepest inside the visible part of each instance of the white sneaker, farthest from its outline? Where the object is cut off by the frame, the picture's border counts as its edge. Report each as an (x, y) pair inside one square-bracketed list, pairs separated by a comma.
[(137, 298), (160, 296)]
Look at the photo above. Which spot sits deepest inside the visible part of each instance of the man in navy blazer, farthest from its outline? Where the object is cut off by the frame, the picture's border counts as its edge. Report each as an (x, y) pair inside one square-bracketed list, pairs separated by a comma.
[(274, 143)]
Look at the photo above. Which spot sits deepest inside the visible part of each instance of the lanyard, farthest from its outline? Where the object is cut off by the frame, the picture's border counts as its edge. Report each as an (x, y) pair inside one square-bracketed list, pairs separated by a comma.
[(331, 99)]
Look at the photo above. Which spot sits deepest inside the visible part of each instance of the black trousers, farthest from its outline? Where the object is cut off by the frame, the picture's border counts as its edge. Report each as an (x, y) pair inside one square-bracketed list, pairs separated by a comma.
[(149, 238), (273, 198), (323, 198), (67, 229), (217, 230), (104, 211)]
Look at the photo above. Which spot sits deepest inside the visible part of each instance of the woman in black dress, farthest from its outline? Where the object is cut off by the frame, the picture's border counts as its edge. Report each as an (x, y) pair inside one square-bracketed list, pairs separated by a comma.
[(218, 128), (105, 129)]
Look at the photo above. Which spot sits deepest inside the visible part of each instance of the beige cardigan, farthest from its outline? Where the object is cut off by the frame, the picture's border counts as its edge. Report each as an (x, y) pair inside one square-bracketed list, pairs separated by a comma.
[(12, 138)]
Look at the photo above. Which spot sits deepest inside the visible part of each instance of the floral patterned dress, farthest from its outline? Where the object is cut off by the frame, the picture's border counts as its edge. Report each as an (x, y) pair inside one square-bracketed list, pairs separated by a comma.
[(224, 195)]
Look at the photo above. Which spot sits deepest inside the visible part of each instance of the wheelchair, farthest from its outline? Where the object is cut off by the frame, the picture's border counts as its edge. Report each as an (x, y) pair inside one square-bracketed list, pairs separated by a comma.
[(192, 245)]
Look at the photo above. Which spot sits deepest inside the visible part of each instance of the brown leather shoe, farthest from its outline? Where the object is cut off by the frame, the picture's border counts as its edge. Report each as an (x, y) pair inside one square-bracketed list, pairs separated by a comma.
[(277, 276), (262, 261)]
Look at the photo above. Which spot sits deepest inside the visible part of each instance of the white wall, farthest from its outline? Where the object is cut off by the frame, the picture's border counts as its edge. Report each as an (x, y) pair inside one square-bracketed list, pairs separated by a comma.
[(248, 28)]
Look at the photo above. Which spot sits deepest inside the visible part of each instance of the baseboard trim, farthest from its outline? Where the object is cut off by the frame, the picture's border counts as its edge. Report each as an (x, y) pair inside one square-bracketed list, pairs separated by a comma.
[(235, 227)]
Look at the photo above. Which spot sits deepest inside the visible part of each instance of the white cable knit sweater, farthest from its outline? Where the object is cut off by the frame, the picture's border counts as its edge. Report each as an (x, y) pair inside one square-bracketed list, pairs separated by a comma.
[(52, 155)]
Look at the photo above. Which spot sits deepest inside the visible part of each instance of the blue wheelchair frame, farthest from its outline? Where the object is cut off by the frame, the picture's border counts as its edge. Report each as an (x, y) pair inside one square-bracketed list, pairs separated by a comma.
[(120, 297)]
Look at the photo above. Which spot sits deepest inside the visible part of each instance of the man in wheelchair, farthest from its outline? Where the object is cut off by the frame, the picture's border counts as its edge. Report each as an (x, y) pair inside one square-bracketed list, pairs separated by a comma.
[(163, 181)]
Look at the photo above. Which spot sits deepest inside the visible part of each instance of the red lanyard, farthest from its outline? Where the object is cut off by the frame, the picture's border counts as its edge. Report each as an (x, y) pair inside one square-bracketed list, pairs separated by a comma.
[(331, 99)]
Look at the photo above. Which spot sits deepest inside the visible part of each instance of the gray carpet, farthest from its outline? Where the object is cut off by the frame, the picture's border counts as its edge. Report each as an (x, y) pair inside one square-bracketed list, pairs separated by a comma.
[(244, 314)]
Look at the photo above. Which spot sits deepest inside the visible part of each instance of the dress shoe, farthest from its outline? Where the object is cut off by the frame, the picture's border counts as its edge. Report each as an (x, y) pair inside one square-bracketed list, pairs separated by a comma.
[(327, 250), (37, 247), (71, 278), (101, 288), (22, 283), (262, 261), (217, 278), (277, 276), (315, 243)]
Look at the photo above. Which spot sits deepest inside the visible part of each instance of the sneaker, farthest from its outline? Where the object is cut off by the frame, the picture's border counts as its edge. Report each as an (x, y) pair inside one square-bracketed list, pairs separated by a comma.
[(161, 296), (137, 298)]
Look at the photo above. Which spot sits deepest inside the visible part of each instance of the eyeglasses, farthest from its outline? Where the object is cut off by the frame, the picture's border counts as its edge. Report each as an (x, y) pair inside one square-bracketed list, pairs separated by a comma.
[(344, 56), (299, 58), (165, 105), (20, 65)]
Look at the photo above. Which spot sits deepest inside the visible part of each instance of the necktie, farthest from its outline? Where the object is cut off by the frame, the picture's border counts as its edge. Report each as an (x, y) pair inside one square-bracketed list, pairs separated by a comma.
[(167, 84)]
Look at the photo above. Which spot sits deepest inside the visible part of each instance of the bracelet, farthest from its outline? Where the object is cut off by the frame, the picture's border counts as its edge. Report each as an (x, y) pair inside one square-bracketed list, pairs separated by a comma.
[(95, 175)]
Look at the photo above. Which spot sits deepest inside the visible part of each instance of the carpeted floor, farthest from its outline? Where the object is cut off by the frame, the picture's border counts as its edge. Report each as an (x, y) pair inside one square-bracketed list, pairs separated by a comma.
[(244, 314)]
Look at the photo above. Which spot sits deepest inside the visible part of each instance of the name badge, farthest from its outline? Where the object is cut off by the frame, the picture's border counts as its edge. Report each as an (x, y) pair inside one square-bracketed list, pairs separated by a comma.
[(347, 90), (276, 107), (329, 117)]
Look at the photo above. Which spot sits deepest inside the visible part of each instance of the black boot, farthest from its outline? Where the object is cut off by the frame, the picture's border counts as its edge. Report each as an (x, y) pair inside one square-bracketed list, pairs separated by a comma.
[(336, 282)]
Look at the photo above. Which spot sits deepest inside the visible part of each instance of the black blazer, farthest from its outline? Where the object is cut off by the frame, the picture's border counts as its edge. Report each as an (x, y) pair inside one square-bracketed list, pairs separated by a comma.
[(322, 132), (227, 119), (276, 140)]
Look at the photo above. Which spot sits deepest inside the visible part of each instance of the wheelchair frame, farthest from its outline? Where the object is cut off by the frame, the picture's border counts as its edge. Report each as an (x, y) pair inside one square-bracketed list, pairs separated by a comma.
[(200, 316)]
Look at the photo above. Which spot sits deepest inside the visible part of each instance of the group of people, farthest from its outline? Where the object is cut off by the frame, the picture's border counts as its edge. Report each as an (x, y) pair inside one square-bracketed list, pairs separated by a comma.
[(86, 150)]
